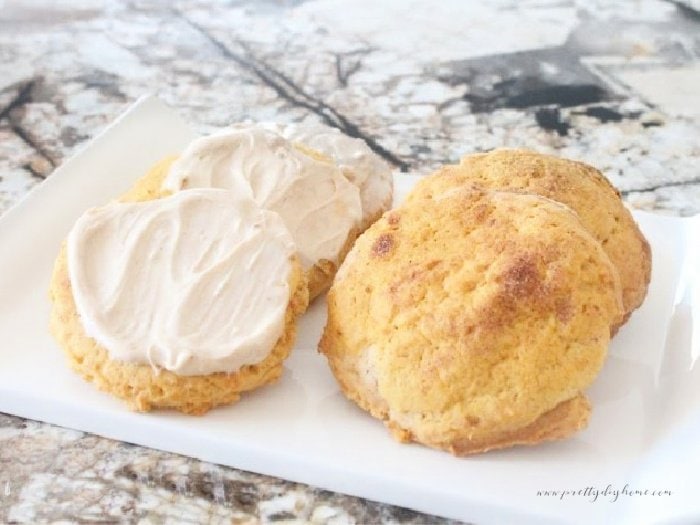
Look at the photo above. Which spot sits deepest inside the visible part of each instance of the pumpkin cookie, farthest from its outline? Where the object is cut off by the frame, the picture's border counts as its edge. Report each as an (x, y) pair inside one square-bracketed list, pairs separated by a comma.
[(581, 187), (474, 320), (183, 302), (319, 206)]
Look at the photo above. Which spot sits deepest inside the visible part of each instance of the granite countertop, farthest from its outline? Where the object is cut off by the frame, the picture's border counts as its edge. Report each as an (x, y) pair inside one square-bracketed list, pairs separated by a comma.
[(611, 83)]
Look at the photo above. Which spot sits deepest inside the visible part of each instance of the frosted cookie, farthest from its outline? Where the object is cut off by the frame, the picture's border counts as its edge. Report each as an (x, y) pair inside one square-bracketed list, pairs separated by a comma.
[(473, 321), (183, 302), (320, 207), (360, 165), (579, 186)]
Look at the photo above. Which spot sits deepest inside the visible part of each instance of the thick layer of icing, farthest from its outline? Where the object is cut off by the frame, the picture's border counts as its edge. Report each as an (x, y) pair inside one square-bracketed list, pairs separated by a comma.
[(318, 204), (360, 165), (194, 283)]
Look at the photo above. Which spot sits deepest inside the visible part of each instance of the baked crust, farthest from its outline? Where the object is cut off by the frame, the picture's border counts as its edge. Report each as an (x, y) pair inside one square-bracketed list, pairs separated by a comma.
[(580, 186), (473, 321)]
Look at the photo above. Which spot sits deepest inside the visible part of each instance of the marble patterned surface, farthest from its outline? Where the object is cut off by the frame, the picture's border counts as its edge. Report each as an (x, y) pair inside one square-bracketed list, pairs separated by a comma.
[(611, 83), (57, 475)]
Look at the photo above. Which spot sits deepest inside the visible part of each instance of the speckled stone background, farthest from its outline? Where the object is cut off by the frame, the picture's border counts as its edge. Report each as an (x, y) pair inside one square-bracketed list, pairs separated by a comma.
[(613, 83)]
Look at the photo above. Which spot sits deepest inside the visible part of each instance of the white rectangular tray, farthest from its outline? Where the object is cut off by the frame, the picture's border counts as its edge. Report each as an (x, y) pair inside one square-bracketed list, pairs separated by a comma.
[(644, 432)]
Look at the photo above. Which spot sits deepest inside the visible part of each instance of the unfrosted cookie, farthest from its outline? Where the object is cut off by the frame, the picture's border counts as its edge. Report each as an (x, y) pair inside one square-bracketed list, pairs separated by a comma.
[(473, 321), (183, 302), (320, 207), (581, 187)]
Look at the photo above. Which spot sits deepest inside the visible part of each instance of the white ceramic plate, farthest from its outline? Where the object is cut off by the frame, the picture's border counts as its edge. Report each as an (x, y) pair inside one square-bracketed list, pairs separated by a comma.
[(644, 433)]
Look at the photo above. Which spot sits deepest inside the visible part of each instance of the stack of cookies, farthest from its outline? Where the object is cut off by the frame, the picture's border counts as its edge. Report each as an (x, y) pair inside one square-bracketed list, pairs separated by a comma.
[(474, 316), (184, 292)]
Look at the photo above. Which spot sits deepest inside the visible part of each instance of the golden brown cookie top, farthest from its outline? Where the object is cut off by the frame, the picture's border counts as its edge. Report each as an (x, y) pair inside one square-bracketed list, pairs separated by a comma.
[(476, 311), (579, 186)]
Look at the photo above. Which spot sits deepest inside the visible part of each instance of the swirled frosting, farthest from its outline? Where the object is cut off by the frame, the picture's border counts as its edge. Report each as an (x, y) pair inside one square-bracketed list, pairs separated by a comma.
[(317, 203), (360, 165), (194, 283)]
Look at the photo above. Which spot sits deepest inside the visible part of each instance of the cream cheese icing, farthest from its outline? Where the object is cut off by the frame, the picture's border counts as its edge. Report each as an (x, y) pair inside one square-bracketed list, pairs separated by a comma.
[(360, 165), (194, 283), (317, 203)]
